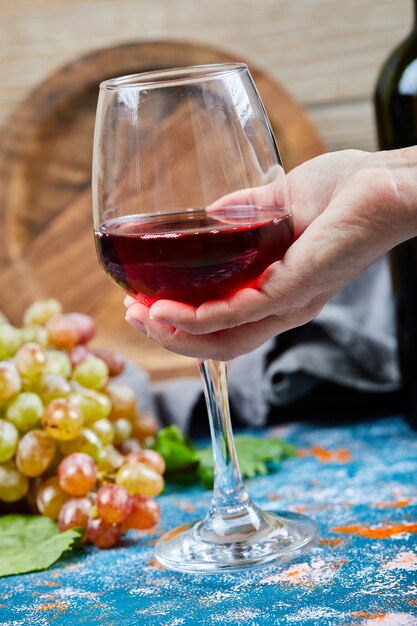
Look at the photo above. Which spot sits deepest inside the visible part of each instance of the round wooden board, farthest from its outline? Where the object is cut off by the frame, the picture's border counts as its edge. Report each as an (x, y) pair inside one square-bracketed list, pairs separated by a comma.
[(46, 243)]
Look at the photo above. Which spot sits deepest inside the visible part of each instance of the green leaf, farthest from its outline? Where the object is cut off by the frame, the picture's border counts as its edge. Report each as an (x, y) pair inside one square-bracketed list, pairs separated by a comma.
[(256, 456), (29, 543), (185, 464), (180, 456)]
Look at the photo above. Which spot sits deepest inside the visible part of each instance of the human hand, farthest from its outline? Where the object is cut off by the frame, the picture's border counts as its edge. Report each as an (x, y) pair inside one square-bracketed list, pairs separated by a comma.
[(349, 208)]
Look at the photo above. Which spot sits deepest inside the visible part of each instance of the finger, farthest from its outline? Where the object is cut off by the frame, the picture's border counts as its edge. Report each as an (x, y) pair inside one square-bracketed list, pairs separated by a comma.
[(266, 195), (222, 346), (247, 305)]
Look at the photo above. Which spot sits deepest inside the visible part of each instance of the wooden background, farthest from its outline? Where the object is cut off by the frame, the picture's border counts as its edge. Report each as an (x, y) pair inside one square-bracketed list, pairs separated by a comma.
[(326, 53)]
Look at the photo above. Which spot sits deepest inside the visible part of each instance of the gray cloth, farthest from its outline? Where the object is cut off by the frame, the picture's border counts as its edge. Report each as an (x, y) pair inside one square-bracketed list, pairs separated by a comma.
[(351, 342)]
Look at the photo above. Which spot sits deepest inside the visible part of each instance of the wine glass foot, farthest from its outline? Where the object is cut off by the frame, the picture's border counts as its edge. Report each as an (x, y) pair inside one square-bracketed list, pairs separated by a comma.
[(191, 548)]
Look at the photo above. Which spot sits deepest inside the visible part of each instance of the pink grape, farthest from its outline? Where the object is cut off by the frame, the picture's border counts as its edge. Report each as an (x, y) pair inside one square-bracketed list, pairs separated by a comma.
[(35, 453), (77, 474), (50, 498), (144, 513), (64, 332), (86, 326), (123, 400), (150, 457), (78, 354), (145, 426), (113, 358), (113, 503), (102, 534), (74, 513)]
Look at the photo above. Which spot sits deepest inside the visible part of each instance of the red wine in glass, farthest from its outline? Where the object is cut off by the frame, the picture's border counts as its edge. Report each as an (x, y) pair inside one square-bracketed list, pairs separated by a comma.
[(195, 255)]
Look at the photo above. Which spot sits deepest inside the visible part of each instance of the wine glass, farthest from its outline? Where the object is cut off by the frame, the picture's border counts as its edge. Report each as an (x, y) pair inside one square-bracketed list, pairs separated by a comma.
[(167, 145)]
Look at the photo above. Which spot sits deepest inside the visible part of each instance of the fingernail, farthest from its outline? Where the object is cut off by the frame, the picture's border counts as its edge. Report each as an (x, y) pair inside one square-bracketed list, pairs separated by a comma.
[(128, 301), (136, 324)]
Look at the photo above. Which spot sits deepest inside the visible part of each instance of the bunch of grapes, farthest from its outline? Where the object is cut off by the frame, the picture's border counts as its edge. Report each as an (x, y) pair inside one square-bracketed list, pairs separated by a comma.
[(72, 439)]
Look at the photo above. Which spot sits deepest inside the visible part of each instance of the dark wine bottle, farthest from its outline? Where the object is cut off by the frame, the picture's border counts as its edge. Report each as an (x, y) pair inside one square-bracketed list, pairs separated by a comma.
[(396, 116)]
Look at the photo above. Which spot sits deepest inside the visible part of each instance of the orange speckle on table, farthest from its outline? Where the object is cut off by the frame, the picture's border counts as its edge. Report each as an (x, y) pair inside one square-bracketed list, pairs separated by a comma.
[(377, 532), (367, 615), (184, 506), (298, 508), (156, 564), (327, 456), (334, 542), (61, 606), (50, 583), (397, 504)]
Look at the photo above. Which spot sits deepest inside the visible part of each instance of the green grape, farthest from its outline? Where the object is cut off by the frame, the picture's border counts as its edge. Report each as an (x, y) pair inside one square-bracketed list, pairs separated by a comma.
[(10, 340), (109, 459), (13, 485), (58, 363), (104, 430), (35, 453), (140, 478), (10, 381), (8, 440), (93, 404), (62, 420), (31, 361), (52, 387), (40, 311), (25, 411), (122, 430), (92, 373), (87, 442), (37, 334)]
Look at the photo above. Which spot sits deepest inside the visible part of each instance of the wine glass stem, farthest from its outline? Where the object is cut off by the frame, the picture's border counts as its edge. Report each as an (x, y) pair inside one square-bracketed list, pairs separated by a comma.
[(229, 492)]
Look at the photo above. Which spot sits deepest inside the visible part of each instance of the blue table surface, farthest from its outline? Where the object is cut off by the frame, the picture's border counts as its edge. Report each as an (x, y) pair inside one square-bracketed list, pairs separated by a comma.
[(358, 481)]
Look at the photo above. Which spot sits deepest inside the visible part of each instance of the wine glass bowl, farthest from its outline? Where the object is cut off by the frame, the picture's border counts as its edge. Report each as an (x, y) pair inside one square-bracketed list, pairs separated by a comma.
[(169, 149)]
